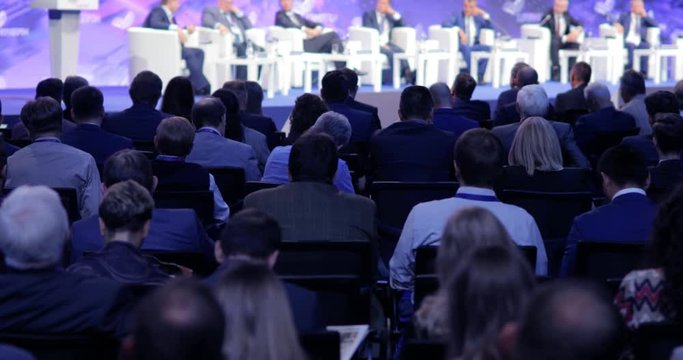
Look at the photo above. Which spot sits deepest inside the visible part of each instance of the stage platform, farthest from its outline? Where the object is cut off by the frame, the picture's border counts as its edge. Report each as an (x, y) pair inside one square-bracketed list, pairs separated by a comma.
[(116, 99)]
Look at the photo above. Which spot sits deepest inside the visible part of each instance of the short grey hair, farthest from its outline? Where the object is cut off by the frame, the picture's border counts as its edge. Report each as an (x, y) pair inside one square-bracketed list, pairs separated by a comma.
[(532, 100), (336, 126), (33, 228), (598, 92)]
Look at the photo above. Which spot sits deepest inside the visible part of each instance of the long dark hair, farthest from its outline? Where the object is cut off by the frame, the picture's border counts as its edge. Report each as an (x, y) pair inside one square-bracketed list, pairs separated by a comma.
[(233, 124), (666, 251), (307, 109), (178, 97)]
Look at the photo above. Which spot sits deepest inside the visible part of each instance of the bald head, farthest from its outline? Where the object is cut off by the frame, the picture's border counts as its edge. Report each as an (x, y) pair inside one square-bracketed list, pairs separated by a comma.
[(597, 96), (441, 95)]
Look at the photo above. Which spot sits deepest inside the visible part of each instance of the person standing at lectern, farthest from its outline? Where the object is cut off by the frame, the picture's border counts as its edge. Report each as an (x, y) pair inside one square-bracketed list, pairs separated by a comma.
[(315, 41), (564, 34), (163, 17), (227, 18)]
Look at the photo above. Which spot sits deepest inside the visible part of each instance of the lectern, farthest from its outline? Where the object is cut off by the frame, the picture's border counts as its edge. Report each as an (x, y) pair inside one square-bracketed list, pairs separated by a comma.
[(65, 25)]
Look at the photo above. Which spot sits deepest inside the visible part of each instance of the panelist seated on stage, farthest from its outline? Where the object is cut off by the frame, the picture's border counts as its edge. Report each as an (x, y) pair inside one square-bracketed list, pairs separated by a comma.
[(227, 18), (316, 40), (634, 25), (565, 31), (163, 17), (470, 21), (384, 19)]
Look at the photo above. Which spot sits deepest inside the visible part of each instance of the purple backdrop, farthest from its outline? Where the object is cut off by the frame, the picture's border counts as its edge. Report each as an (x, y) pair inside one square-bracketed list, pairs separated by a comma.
[(24, 49)]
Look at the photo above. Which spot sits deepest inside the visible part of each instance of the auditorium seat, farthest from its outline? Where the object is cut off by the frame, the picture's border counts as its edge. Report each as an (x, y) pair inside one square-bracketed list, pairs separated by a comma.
[(64, 347), (321, 345), (199, 201), (230, 182), (605, 140), (145, 146), (199, 263), (254, 186), (603, 261), (423, 349), (657, 340)]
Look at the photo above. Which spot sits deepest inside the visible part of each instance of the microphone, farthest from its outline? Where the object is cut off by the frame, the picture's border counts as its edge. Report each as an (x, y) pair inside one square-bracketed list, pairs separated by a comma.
[(545, 20)]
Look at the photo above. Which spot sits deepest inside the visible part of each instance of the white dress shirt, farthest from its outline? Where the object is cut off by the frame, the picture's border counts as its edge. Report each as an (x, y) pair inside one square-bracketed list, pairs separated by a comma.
[(633, 35), (384, 27), (169, 14)]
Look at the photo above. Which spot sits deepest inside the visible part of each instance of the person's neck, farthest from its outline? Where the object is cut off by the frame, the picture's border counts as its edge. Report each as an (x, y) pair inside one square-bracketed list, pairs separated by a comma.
[(135, 240), (464, 184), (576, 84), (414, 119), (53, 134), (245, 258)]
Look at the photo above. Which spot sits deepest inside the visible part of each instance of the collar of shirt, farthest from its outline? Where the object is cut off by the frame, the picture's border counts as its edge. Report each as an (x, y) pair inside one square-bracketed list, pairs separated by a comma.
[(47, 139), (168, 12), (476, 193), (629, 191), (170, 158), (210, 130)]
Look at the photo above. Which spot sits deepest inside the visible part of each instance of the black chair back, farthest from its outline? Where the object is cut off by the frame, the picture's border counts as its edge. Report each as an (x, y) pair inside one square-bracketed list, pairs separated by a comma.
[(657, 340), (69, 198), (144, 145), (421, 349), (602, 261), (230, 182), (199, 201), (64, 347), (199, 263), (19, 142), (254, 186), (605, 140), (322, 345)]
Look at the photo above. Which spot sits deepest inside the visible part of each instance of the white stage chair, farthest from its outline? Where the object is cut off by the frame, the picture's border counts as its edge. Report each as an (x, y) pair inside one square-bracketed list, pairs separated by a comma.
[(155, 50), (406, 39), (295, 40), (449, 41), (613, 68), (536, 42), (369, 43), (486, 37)]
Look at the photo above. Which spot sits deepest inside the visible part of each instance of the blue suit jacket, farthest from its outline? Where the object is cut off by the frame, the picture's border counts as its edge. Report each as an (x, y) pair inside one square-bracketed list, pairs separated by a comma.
[(628, 218), (603, 120), (448, 120), (645, 22), (262, 124), (157, 19), (170, 230), (138, 122), (213, 150), (458, 19), (96, 142), (355, 104), (362, 123), (476, 110)]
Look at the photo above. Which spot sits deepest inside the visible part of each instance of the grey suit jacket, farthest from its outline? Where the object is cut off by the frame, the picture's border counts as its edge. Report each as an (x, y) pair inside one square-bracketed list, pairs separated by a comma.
[(636, 107), (259, 143), (212, 150), (212, 16), (310, 211), (570, 151)]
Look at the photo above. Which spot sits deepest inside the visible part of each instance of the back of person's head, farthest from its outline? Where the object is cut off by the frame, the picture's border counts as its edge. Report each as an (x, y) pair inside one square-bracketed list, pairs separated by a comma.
[(631, 83), (128, 165), (336, 125), (532, 100), (668, 134), (463, 86), (181, 320), (51, 87), (42, 116), (416, 103), (661, 102), (178, 97), (208, 112), (581, 72), (174, 136), (479, 158), (252, 234), (126, 207), (239, 88), (335, 87), (71, 84), (527, 76), (569, 320), (624, 167), (351, 81), (145, 88), (33, 228), (597, 96), (233, 124), (489, 289), (254, 97), (313, 158), (678, 91), (307, 109), (536, 146), (441, 95), (258, 319), (514, 73), (87, 104)]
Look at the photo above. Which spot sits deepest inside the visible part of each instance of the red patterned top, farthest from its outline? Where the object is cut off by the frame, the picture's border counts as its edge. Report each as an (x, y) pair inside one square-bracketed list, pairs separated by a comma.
[(639, 298)]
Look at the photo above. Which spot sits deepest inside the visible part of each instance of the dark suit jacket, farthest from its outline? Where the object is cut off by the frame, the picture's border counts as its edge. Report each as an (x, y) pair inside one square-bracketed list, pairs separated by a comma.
[(458, 19), (157, 19), (645, 22), (180, 176), (565, 180), (507, 97), (412, 151), (570, 100), (357, 105), (311, 211), (138, 122), (19, 131), (55, 302), (96, 142), (644, 146), (550, 23), (603, 120), (370, 21), (212, 16), (362, 123), (570, 151), (476, 110), (170, 230), (628, 218), (666, 174), (448, 120), (262, 124), (281, 19)]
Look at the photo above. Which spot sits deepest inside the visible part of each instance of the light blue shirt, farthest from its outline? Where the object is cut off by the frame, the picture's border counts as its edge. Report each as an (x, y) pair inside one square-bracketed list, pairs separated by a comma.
[(426, 222), (277, 170)]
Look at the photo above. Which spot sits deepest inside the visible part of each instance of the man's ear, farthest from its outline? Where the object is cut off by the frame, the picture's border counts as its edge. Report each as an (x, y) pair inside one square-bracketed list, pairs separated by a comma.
[(455, 167), (218, 252), (155, 182), (507, 339), (647, 181), (272, 259), (103, 228)]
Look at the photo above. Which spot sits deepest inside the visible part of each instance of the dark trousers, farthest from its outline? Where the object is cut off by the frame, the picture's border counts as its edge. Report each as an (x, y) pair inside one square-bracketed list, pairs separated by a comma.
[(240, 51), (322, 43), (643, 60), (194, 60), (389, 50), (466, 51), (556, 45)]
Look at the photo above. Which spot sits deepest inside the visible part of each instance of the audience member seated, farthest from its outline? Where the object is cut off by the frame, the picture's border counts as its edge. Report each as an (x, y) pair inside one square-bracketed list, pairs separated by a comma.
[(88, 111), (444, 117), (258, 319), (52, 88), (315, 40), (181, 320), (36, 297), (532, 100), (352, 78), (629, 215), (413, 149), (508, 113), (260, 123), (463, 105), (125, 215), (235, 130), (211, 149), (568, 321), (169, 230), (335, 92), (499, 281), (678, 91), (509, 96), (307, 109), (178, 97), (173, 141), (139, 122), (603, 118), (254, 98), (478, 163), (49, 162), (71, 84), (653, 293), (632, 92), (573, 102), (536, 162), (659, 102), (668, 139), (251, 236), (310, 207), (466, 230)]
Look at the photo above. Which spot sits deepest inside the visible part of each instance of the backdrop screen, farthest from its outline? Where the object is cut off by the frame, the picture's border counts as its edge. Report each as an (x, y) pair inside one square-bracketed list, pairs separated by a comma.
[(24, 35)]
